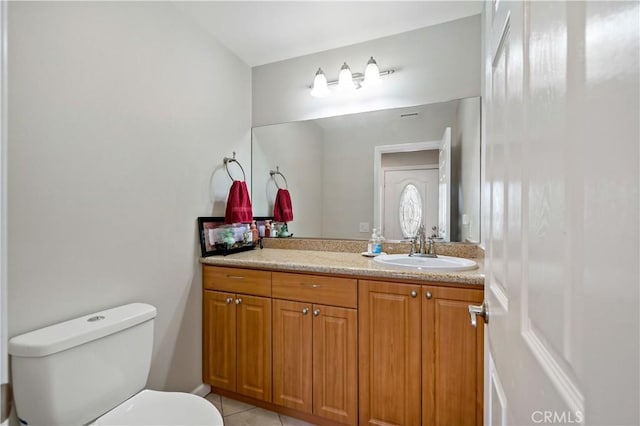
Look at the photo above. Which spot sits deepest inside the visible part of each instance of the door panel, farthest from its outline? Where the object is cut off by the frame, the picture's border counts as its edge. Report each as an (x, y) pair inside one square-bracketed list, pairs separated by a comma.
[(389, 353), (219, 339), (452, 378), (292, 354), (561, 78), (254, 347), (335, 363), (395, 181)]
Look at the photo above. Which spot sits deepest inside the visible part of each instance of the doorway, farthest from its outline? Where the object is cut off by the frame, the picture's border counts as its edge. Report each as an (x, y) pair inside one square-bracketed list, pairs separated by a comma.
[(398, 150)]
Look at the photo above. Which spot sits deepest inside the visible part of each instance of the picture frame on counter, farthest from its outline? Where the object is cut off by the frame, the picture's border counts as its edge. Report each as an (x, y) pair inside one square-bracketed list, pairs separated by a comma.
[(219, 238)]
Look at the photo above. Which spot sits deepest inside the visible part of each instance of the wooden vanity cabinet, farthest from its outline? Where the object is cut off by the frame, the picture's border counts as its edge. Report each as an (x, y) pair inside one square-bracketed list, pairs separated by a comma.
[(389, 344), (219, 339), (342, 350), (237, 332), (420, 359), (453, 357), (315, 365)]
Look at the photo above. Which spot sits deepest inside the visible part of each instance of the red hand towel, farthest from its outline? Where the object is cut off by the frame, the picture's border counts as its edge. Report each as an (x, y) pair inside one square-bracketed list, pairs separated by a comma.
[(282, 210), (238, 204)]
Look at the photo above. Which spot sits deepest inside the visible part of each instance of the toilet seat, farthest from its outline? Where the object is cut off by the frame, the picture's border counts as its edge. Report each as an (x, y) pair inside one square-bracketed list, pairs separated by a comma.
[(162, 408)]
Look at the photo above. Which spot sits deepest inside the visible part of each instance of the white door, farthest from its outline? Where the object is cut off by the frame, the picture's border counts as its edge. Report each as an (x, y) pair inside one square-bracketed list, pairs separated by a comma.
[(410, 200), (562, 337), (444, 179)]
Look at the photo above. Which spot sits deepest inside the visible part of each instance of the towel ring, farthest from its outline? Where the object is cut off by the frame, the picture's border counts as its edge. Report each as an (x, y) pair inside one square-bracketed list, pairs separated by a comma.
[(228, 160), (278, 172)]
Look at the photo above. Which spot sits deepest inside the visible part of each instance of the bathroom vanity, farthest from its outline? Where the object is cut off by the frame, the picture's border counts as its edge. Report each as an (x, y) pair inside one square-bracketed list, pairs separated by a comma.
[(333, 337)]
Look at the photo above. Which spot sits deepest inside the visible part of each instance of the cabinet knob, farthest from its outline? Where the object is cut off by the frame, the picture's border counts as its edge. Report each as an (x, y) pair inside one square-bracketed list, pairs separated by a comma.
[(305, 311), (428, 295), (414, 293), (228, 300), (316, 312), (238, 301)]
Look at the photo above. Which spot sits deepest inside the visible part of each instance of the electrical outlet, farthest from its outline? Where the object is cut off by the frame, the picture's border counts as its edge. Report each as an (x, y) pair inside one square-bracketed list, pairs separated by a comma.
[(364, 226)]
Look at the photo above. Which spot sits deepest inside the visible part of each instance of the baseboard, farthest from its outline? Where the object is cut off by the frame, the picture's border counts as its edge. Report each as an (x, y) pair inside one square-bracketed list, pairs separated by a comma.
[(202, 390)]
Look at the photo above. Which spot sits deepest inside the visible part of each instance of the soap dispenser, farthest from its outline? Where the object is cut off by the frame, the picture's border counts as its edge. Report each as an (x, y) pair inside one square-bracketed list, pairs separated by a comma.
[(375, 243)]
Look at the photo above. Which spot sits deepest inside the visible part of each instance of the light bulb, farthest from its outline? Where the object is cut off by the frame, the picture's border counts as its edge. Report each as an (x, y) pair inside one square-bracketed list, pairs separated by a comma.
[(320, 88), (371, 73), (345, 79)]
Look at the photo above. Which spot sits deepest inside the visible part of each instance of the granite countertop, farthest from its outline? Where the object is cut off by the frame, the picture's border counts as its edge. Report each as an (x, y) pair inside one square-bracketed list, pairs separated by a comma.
[(328, 262)]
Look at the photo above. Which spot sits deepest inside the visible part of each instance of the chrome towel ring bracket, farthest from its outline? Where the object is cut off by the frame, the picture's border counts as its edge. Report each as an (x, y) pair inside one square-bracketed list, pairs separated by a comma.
[(228, 160), (278, 172)]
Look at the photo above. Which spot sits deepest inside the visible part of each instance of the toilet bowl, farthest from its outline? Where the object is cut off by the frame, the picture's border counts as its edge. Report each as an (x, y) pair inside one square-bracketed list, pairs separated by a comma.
[(162, 408), (93, 369)]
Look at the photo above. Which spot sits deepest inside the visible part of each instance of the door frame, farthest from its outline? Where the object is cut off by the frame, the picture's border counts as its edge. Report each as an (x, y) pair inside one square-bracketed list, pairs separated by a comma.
[(378, 180)]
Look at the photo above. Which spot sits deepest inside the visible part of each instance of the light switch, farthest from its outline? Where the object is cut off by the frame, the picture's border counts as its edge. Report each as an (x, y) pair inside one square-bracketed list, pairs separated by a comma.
[(364, 226)]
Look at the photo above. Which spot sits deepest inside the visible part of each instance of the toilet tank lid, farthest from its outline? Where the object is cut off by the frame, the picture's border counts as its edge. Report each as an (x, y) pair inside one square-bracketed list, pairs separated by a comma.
[(75, 332)]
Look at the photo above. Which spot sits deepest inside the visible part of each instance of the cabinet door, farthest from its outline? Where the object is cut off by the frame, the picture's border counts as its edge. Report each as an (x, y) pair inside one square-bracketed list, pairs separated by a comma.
[(254, 347), (335, 363), (389, 345), (219, 339), (453, 358), (292, 355)]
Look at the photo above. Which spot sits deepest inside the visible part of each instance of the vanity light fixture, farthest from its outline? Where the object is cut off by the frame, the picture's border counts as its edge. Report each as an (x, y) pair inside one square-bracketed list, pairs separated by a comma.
[(319, 88), (371, 73), (347, 81)]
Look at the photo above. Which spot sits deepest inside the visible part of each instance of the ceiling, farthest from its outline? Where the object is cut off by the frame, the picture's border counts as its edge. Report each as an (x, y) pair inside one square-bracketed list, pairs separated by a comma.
[(261, 32)]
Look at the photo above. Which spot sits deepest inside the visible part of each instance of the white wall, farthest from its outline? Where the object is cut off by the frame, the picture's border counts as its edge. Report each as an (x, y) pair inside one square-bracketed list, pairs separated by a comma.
[(434, 64), (119, 113), (348, 164), (415, 158), (467, 141), (297, 149), (4, 364)]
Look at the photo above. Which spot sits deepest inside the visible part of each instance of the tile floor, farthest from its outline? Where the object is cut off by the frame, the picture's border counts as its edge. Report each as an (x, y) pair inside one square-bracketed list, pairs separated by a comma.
[(236, 413)]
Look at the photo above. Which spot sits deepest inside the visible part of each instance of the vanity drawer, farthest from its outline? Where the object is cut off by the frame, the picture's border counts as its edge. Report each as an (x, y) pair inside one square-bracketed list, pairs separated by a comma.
[(234, 280), (316, 289)]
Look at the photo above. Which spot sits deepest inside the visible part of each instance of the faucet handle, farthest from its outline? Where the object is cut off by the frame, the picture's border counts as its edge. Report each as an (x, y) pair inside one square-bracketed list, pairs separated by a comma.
[(412, 245)]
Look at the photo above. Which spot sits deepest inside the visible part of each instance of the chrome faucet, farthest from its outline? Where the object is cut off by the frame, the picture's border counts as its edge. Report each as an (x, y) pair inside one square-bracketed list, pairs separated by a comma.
[(425, 245)]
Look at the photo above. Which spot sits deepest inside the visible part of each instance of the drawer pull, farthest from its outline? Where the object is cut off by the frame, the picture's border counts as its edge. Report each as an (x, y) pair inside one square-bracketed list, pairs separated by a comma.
[(428, 295), (238, 301), (228, 300), (305, 311), (316, 312), (414, 293), (310, 285), (235, 277)]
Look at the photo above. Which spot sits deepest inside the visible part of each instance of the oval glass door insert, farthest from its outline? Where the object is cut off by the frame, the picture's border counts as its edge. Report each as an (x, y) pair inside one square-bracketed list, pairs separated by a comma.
[(410, 210)]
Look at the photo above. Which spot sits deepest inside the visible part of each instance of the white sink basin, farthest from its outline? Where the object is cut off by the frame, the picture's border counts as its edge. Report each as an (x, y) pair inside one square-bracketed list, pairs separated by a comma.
[(436, 264)]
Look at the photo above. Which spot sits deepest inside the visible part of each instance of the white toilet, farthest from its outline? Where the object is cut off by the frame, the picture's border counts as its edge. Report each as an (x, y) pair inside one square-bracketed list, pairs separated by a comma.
[(92, 370)]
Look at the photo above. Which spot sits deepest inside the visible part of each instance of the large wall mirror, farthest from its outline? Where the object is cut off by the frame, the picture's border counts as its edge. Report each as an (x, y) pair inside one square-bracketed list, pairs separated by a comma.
[(393, 169)]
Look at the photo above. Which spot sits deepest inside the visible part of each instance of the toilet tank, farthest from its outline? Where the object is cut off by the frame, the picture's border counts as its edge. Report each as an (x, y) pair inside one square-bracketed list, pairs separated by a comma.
[(73, 372)]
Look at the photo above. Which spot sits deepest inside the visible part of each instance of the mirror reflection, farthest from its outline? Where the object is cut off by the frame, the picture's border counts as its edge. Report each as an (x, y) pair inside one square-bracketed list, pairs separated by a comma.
[(392, 170)]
